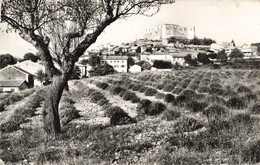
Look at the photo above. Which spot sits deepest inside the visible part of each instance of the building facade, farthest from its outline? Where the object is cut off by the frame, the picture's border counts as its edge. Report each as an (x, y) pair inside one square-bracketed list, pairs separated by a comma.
[(119, 63), (165, 31)]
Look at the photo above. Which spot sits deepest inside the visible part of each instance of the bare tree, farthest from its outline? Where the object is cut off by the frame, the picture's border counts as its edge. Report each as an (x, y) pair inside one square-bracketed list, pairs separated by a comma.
[(62, 31)]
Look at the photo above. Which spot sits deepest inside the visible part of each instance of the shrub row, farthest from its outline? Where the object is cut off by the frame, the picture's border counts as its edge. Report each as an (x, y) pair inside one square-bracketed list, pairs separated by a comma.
[(150, 108), (22, 113)]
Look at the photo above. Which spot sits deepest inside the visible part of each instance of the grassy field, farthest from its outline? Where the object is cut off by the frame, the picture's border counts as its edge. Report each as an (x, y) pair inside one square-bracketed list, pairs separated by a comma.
[(161, 117)]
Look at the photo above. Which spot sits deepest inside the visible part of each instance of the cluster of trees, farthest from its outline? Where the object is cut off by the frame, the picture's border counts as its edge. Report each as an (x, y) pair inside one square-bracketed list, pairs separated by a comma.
[(159, 64), (221, 56), (195, 41), (7, 59)]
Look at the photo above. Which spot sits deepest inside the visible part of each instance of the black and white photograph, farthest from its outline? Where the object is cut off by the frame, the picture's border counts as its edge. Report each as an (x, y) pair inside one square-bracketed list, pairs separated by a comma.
[(129, 82)]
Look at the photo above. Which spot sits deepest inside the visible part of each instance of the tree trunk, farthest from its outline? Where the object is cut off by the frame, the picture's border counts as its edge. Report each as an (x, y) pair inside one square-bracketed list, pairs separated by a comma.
[(51, 119)]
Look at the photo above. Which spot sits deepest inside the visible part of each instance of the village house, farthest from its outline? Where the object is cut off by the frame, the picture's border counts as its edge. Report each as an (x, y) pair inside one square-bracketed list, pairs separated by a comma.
[(32, 68), (13, 78), (119, 63)]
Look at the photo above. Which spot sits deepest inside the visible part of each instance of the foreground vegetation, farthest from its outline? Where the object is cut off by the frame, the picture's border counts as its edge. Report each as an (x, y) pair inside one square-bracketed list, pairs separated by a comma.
[(177, 117)]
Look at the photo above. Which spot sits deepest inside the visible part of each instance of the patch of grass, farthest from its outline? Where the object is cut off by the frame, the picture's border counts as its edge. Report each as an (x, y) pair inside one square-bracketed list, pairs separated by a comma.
[(251, 151)]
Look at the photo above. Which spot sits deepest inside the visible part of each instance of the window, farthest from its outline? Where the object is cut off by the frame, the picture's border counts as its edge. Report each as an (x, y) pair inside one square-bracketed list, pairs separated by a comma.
[(122, 66), (117, 61)]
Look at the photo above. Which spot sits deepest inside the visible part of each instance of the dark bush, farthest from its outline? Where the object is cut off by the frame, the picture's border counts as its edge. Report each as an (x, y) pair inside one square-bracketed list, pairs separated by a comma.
[(203, 89), (236, 102), (136, 87), (181, 100), (215, 111), (183, 84), (170, 115), (102, 101), (193, 86), (129, 96), (160, 86), (159, 95), (169, 98), (67, 113), (168, 88), (143, 89), (130, 86), (250, 97), (217, 91), (188, 93), (187, 124), (150, 108), (243, 89), (96, 96), (135, 100), (215, 85), (256, 108), (118, 116), (155, 108), (229, 93), (242, 119), (196, 106), (116, 90), (102, 85), (177, 91), (150, 92), (251, 151), (216, 99), (2, 107)]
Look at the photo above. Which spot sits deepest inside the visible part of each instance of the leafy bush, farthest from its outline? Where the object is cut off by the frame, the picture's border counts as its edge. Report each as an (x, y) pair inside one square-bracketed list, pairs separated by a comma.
[(116, 90), (217, 91), (229, 93), (155, 108), (250, 97), (170, 114), (135, 100), (215, 85), (130, 86), (187, 124), (129, 96), (203, 89), (2, 107), (160, 86), (236, 102), (50, 155), (251, 151), (256, 108), (96, 96), (169, 98), (188, 93), (150, 108), (136, 87), (177, 90), (193, 86), (159, 95), (216, 99), (215, 111), (168, 88), (67, 113), (102, 85), (143, 89), (150, 92), (118, 116), (243, 89), (196, 106), (102, 101)]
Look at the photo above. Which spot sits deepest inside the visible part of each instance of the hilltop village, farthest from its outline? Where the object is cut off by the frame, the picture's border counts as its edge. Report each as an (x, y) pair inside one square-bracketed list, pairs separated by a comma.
[(164, 46)]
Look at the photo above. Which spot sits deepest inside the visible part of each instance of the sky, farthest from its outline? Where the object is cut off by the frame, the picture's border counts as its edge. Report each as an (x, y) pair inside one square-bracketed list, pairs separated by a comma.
[(222, 20)]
